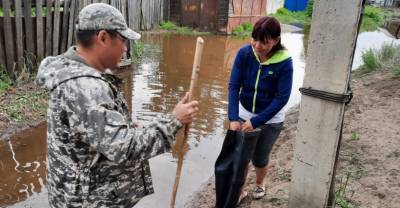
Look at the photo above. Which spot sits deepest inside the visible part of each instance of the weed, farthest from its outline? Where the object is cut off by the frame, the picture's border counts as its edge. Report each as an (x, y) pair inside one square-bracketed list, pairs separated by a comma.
[(288, 17), (386, 58), (354, 136), (341, 199), (244, 30), (138, 50), (372, 18), (5, 80), (171, 27), (32, 100)]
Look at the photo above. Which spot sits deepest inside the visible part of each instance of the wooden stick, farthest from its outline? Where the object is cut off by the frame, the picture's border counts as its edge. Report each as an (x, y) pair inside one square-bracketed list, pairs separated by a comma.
[(181, 152)]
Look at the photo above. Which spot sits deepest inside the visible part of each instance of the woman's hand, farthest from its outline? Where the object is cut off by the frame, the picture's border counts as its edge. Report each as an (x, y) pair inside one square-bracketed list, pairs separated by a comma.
[(246, 127), (234, 125)]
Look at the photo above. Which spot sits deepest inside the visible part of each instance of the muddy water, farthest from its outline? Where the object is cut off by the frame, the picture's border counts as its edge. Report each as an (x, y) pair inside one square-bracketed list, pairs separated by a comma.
[(22, 165), (158, 81)]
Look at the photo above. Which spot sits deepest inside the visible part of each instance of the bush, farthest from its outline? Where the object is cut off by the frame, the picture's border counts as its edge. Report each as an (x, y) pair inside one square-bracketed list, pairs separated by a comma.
[(372, 18), (310, 7)]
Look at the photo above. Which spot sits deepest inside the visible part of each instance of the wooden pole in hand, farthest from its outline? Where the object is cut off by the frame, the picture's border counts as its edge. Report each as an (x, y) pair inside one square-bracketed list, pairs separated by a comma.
[(181, 152)]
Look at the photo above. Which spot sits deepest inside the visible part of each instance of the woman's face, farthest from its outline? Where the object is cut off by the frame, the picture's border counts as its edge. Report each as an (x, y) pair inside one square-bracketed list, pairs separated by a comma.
[(262, 48)]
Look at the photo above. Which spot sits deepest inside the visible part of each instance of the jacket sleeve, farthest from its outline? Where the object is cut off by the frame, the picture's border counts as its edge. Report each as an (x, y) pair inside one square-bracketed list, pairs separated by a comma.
[(94, 116), (235, 83), (281, 97)]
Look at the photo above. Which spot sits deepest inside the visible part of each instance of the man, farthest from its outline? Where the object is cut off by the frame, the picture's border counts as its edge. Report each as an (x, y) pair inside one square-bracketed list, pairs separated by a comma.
[(95, 155)]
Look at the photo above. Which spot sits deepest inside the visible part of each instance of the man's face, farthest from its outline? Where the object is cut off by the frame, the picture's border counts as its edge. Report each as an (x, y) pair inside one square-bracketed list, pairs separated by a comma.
[(113, 49)]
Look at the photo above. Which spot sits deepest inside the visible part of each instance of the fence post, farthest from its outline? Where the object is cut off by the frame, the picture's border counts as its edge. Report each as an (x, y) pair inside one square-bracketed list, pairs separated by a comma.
[(28, 27), (71, 23), (56, 28), (49, 29), (39, 30), (8, 35), (19, 31), (64, 28)]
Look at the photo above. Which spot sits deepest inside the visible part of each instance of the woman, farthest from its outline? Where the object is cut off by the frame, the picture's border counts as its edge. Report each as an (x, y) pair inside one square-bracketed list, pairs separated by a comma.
[(259, 87)]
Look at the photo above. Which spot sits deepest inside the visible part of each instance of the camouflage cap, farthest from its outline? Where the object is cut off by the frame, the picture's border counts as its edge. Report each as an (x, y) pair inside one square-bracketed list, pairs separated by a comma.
[(103, 16)]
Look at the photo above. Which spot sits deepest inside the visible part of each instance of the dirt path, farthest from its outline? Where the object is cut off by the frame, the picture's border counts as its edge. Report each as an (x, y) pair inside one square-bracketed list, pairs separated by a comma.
[(369, 158)]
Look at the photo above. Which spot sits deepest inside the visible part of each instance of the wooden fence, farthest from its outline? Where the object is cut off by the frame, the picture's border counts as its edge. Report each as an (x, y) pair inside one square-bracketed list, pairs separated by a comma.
[(30, 29)]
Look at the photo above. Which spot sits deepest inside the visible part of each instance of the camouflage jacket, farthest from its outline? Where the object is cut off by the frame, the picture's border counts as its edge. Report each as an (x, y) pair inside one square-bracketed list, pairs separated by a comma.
[(95, 157)]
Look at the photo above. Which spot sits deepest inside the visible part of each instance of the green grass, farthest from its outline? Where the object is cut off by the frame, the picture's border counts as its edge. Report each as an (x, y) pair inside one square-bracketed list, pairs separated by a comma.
[(372, 18), (33, 101), (387, 58), (243, 31), (287, 17), (138, 50), (5, 80), (354, 136), (33, 11), (171, 27)]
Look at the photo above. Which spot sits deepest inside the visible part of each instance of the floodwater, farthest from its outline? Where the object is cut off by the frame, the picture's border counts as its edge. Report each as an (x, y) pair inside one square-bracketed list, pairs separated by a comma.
[(156, 83)]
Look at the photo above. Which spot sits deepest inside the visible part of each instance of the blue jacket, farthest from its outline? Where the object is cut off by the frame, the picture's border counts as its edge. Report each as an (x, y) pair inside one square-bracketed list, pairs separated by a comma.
[(262, 88)]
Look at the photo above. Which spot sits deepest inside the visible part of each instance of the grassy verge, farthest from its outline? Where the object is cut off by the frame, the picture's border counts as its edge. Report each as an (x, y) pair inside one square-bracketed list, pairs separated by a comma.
[(372, 18), (25, 106), (386, 58), (172, 28)]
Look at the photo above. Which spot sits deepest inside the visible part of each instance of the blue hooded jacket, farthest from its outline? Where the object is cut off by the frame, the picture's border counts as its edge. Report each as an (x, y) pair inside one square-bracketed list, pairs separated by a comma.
[(262, 88)]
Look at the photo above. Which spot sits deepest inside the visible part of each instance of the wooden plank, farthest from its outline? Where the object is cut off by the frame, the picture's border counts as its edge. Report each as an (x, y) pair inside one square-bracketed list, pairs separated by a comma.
[(114, 3), (123, 8), (39, 30), (2, 55), (30, 47), (19, 31), (8, 35), (71, 23), (56, 28), (64, 30), (49, 26), (328, 68)]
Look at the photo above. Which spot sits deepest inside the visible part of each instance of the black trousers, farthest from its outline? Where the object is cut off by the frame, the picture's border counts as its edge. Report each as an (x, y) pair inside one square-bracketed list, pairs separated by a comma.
[(237, 151)]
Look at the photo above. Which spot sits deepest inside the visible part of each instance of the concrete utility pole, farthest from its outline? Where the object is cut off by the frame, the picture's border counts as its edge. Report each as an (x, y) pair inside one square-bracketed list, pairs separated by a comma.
[(333, 36)]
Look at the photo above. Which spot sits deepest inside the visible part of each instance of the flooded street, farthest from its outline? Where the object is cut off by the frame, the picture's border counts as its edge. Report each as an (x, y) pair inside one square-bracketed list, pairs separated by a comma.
[(158, 81)]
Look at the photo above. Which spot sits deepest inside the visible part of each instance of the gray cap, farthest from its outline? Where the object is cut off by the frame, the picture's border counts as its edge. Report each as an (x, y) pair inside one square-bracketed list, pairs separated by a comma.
[(100, 16)]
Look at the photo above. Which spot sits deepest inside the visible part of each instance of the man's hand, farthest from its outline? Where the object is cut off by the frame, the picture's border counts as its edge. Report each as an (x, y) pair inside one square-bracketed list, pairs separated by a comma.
[(234, 125), (246, 127), (185, 111)]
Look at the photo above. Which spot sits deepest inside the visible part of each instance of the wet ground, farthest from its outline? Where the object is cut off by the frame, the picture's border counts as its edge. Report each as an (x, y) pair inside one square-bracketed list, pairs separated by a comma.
[(155, 85)]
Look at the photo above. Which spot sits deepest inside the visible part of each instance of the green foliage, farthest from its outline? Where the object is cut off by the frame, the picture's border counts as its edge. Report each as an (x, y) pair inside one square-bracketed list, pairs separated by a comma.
[(354, 136), (5, 80), (287, 17), (372, 18), (171, 27), (310, 7), (138, 50), (243, 30), (341, 199), (32, 101), (1, 11), (386, 58)]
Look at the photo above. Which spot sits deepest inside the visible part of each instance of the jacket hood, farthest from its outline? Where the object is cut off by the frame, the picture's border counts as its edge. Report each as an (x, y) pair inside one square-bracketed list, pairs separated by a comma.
[(54, 71)]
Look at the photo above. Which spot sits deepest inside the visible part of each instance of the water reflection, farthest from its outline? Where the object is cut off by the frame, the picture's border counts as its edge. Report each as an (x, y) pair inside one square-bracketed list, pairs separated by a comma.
[(22, 165)]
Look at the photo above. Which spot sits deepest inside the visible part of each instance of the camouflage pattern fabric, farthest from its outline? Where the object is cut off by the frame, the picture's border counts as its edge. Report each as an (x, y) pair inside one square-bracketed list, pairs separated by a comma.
[(95, 157)]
